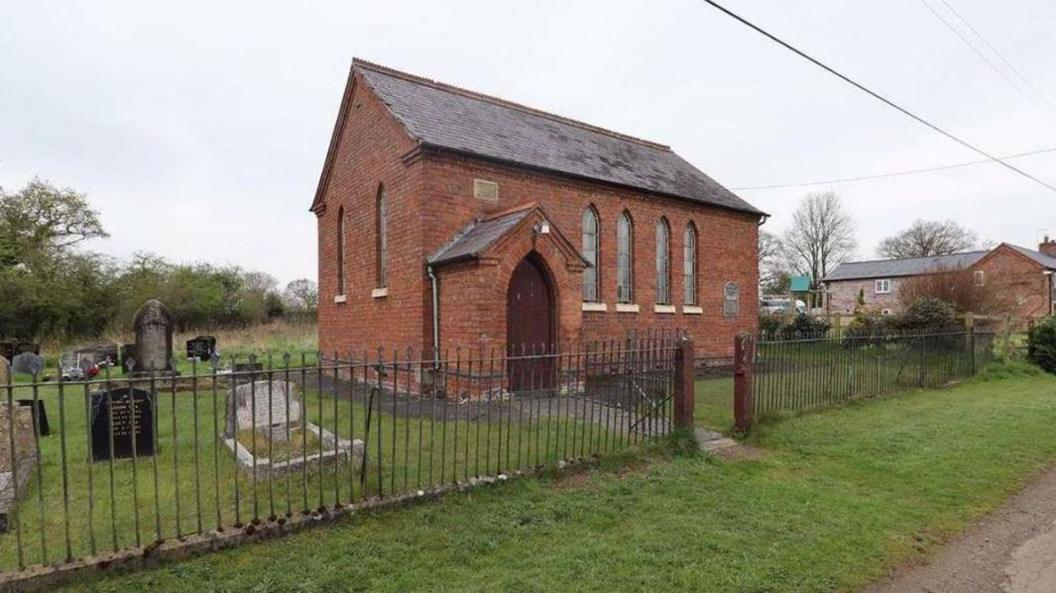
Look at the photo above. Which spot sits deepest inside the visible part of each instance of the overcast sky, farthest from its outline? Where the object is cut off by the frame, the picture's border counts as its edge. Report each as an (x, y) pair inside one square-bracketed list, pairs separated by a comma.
[(198, 129)]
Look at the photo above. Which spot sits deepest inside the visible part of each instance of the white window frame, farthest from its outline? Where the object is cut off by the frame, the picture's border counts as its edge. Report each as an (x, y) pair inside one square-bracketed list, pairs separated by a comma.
[(979, 278), (882, 286)]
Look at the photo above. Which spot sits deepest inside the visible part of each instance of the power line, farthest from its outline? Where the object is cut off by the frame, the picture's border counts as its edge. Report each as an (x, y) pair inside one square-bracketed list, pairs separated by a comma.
[(1000, 56), (872, 93), (893, 173), (982, 56)]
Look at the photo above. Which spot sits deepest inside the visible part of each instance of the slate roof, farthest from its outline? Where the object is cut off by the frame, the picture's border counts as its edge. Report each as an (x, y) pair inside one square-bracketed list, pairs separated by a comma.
[(1046, 261), (893, 268), (449, 118), (476, 237)]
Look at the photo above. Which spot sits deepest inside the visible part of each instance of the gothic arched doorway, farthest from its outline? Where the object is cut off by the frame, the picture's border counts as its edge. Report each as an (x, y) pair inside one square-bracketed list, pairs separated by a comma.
[(530, 326)]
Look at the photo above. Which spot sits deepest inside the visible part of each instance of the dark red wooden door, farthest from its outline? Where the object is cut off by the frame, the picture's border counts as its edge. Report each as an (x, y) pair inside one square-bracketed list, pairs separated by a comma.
[(529, 327)]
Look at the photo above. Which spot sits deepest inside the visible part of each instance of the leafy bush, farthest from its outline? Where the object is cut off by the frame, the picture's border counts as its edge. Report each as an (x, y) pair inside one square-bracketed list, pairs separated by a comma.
[(805, 325), (928, 314), (1041, 344), (770, 324)]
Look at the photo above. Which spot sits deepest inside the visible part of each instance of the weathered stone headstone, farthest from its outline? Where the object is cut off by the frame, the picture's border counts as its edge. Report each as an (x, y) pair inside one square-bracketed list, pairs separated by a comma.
[(5, 371), (133, 411), (40, 415), (15, 477), (264, 405), (201, 347), (153, 326), (27, 363)]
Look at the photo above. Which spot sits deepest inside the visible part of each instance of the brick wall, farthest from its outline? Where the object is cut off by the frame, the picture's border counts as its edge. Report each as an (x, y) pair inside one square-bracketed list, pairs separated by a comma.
[(843, 296), (431, 198), (368, 153), (1022, 282)]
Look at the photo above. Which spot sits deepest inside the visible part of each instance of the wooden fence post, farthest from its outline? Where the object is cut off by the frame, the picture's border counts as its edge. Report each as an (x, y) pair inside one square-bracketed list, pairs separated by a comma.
[(685, 393), (743, 370)]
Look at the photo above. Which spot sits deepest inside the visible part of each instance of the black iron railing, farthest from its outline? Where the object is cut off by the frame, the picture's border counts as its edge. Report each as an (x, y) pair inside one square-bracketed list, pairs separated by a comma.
[(132, 462), (801, 372)]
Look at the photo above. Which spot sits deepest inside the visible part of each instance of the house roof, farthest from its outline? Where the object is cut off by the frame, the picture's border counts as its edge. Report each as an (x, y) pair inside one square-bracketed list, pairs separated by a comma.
[(477, 236), (915, 266), (453, 119), (1046, 261)]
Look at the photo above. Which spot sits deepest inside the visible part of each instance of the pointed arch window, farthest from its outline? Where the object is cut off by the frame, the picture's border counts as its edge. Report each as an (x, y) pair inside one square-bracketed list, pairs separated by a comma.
[(624, 259), (381, 246), (340, 251), (591, 238), (663, 262), (689, 265)]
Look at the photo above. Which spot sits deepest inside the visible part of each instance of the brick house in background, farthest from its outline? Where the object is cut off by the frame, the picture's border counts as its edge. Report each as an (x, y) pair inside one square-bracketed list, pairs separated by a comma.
[(451, 219), (1026, 278)]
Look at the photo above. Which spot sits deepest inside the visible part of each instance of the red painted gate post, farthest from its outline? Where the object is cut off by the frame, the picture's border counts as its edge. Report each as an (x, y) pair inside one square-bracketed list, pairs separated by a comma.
[(743, 369), (684, 384)]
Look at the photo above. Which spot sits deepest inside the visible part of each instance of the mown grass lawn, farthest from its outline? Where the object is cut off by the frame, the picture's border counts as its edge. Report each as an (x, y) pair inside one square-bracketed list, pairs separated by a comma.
[(840, 497)]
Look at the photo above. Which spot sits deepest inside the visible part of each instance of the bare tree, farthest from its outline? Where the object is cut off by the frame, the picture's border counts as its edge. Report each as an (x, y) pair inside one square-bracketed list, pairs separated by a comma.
[(821, 236), (303, 295), (773, 273), (925, 238)]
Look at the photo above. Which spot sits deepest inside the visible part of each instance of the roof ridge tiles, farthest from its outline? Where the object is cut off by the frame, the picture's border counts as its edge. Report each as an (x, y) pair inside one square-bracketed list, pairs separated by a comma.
[(357, 62)]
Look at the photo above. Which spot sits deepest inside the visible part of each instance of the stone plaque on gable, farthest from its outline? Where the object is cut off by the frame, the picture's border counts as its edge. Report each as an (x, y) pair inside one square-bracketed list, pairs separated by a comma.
[(263, 404), (133, 411), (153, 327)]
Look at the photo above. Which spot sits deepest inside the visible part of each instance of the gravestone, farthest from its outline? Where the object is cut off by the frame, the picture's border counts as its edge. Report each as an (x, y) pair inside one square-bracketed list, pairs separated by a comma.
[(153, 328), (100, 353), (40, 415), (247, 371), (5, 371), (133, 414), (201, 347), (263, 405), (15, 477), (27, 363), (126, 353)]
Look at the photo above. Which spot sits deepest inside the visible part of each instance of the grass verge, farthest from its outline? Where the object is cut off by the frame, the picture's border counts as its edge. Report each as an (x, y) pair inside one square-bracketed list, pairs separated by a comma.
[(841, 497)]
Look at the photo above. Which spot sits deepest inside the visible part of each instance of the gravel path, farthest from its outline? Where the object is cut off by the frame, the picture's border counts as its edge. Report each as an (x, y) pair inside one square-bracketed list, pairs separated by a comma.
[(1011, 551)]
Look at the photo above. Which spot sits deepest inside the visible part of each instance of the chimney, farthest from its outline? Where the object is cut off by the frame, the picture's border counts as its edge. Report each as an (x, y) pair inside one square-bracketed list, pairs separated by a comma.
[(1048, 247)]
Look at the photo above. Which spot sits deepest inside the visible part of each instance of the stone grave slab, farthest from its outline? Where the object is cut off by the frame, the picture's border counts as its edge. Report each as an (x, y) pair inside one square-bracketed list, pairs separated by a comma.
[(15, 477)]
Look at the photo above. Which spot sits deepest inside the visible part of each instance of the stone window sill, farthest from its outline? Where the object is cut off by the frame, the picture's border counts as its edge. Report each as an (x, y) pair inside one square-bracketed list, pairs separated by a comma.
[(626, 308), (692, 310), (666, 309), (340, 298), (379, 293), (596, 307)]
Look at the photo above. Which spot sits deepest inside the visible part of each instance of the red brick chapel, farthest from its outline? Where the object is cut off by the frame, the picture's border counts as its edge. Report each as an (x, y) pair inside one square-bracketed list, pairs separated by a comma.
[(521, 226)]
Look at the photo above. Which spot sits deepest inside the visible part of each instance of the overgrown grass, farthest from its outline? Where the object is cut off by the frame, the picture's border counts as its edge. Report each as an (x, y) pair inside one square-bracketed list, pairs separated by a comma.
[(839, 498)]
